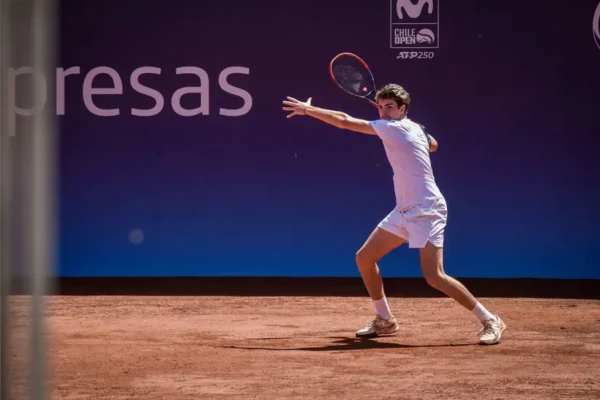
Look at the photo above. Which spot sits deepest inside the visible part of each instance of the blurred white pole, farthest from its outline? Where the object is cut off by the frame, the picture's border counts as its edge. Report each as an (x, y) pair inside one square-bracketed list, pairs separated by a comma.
[(41, 191), (5, 204), (27, 192)]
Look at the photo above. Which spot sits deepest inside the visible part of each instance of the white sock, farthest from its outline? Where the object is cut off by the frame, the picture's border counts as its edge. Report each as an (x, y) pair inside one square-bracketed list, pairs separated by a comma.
[(482, 313), (382, 308)]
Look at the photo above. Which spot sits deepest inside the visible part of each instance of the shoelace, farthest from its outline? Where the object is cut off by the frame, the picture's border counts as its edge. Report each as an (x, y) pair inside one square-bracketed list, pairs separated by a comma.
[(377, 321), (488, 326)]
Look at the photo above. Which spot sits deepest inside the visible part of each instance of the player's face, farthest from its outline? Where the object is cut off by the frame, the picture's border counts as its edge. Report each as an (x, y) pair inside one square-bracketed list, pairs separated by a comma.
[(388, 109)]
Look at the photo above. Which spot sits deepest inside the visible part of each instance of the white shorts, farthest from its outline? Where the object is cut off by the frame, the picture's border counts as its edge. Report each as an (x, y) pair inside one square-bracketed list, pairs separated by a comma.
[(418, 224)]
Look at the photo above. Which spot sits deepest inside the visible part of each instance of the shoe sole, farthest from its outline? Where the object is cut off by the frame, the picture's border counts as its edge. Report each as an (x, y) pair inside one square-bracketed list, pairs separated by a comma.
[(497, 341)]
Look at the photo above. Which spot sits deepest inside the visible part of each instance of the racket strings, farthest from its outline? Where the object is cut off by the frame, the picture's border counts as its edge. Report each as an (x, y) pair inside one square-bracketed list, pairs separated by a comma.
[(353, 77)]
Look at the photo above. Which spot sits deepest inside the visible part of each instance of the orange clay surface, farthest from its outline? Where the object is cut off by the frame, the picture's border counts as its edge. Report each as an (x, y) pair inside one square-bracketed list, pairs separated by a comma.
[(304, 348)]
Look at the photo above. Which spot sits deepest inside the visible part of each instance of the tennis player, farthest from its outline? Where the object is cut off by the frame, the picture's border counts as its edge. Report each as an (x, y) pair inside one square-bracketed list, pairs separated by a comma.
[(419, 217)]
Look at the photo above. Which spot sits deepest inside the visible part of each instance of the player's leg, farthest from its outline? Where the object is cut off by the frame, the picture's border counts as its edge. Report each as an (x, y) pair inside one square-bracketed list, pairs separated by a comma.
[(426, 226), (381, 241), (432, 266), (377, 245)]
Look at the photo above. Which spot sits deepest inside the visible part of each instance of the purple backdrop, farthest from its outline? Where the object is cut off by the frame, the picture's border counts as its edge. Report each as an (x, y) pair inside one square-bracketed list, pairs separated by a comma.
[(157, 180)]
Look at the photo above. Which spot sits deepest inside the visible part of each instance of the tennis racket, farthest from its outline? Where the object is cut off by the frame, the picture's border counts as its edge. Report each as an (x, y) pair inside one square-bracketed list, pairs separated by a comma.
[(349, 72), (352, 74)]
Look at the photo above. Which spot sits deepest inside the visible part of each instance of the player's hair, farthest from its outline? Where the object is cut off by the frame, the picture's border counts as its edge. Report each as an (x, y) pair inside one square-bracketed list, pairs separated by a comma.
[(394, 92)]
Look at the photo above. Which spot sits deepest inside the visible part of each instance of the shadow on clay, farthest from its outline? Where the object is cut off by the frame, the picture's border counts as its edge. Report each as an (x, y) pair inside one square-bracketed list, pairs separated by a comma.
[(345, 343)]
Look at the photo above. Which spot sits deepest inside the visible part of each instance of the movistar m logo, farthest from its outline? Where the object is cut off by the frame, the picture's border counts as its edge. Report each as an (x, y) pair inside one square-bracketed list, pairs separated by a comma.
[(413, 10)]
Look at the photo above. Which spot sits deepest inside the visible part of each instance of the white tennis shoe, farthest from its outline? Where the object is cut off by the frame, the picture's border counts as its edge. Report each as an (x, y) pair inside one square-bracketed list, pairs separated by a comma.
[(378, 326), (492, 331)]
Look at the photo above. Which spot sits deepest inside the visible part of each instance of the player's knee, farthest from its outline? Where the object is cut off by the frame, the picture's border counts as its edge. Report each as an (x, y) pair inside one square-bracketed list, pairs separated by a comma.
[(365, 259), (436, 280)]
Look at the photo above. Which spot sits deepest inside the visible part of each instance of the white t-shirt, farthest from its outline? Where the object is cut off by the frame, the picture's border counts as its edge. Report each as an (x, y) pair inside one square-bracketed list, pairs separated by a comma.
[(407, 150)]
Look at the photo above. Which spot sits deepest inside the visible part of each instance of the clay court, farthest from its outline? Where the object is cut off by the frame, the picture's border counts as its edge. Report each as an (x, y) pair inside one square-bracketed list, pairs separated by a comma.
[(218, 347)]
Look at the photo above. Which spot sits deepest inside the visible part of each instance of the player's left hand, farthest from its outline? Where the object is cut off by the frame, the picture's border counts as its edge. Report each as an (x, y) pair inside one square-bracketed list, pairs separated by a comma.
[(296, 107)]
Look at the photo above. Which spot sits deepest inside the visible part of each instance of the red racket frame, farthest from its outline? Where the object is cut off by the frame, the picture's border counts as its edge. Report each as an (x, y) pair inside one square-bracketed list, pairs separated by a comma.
[(364, 64)]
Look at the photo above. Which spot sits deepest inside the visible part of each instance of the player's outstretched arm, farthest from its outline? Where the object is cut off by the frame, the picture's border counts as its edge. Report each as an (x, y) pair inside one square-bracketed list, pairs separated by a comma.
[(332, 117), (342, 121)]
